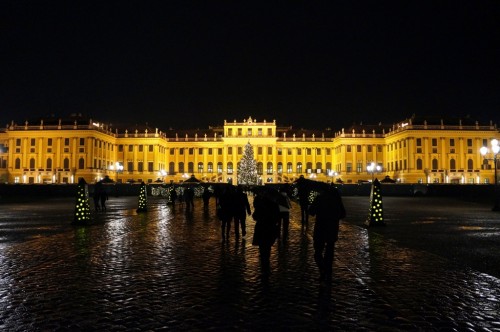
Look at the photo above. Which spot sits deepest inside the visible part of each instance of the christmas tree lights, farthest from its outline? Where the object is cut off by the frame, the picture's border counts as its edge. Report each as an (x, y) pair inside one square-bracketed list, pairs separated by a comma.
[(82, 205), (143, 199), (376, 214), (247, 168)]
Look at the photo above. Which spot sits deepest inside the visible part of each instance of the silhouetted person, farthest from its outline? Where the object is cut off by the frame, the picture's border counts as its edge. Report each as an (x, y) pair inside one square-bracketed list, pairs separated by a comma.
[(225, 211), (218, 191), (303, 201), (189, 196), (328, 209), (241, 209), (173, 197), (103, 195), (266, 214), (180, 197), (284, 215), (96, 197), (206, 198)]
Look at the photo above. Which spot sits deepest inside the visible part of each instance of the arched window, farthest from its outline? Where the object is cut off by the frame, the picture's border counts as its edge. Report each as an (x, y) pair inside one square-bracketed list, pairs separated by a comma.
[(17, 164), (299, 167), (49, 163), (219, 167), (200, 167), (81, 163), (210, 167), (470, 164), (289, 168), (419, 164), (229, 168), (328, 167), (66, 163), (280, 168), (171, 167), (32, 163), (181, 167), (309, 167), (453, 164), (434, 163), (260, 168), (269, 168), (318, 167), (190, 167), (486, 164)]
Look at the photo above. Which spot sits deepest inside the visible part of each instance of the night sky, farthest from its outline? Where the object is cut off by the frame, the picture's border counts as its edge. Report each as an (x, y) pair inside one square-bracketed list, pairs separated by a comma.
[(191, 64)]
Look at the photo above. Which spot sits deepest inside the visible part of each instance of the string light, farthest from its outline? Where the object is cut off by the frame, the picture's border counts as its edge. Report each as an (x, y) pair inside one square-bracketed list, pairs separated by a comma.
[(376, 214), (82, 205), (143, 199)]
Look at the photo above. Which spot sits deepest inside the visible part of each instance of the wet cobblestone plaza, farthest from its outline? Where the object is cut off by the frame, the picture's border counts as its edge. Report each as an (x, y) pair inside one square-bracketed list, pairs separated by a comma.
[(434, 267)]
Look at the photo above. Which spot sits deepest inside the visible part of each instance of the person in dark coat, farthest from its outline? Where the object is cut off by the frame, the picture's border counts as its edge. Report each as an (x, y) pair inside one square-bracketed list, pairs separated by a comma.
[(284, 214), (303, 193), (173, 196), (242, 208), (206, 198), (189, 196), (328, 209), (266, 214), (103, 195), (225, 210), (96, 197)]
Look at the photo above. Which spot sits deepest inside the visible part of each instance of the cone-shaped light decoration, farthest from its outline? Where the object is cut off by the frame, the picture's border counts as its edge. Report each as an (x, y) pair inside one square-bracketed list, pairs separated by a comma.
[(143, 199), (82, 206), (376, 214)]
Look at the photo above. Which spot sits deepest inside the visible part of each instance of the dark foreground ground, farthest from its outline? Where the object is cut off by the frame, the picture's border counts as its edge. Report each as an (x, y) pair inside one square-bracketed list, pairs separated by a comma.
[(434, 267)]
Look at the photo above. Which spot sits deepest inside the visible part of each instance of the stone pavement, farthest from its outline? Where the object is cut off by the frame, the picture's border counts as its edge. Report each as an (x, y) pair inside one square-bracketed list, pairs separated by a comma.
[(169, 270)]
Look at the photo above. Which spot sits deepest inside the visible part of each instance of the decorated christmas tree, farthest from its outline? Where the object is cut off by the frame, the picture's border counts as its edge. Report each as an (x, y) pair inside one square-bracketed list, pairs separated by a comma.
[(376, 214), (247, 168), (82, 206), (143, 199)]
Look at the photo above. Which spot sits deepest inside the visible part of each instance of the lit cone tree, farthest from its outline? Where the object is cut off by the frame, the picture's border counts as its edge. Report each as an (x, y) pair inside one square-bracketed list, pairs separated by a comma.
[(82, 205), (143, 199), (376, 214), (247, 168)]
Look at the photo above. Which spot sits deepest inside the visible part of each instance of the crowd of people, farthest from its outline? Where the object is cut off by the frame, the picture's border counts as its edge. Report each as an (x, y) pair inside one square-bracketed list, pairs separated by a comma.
[(271, 213)]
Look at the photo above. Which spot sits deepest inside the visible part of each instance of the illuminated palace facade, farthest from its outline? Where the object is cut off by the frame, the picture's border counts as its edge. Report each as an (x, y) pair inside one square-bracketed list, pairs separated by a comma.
[(416, 150)]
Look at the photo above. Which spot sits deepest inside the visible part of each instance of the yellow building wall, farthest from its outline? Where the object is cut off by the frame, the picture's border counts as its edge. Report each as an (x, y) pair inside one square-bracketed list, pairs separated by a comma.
[(409, 154)]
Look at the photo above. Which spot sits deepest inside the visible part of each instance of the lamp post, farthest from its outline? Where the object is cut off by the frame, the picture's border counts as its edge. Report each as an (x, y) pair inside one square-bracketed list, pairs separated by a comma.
[(372, 168), (495, 149)]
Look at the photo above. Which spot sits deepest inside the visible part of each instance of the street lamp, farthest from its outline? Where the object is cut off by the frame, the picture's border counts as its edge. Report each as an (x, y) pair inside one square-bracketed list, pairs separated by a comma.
[(495, 148), (117, 168), (332, 174), (162, 173), (372, 168)]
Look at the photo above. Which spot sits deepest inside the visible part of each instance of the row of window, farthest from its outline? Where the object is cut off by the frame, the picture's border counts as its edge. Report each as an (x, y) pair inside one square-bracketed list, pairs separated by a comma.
[(181, 166), (451, 142), (249, 132), (98, 143), (390, 147), (360, 167), (50, 140), (260, 150), (260, 168), (182, 151)]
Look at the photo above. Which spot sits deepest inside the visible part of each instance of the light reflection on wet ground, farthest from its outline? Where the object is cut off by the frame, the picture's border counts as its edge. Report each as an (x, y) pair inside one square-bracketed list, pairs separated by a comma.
[(169, 269)]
